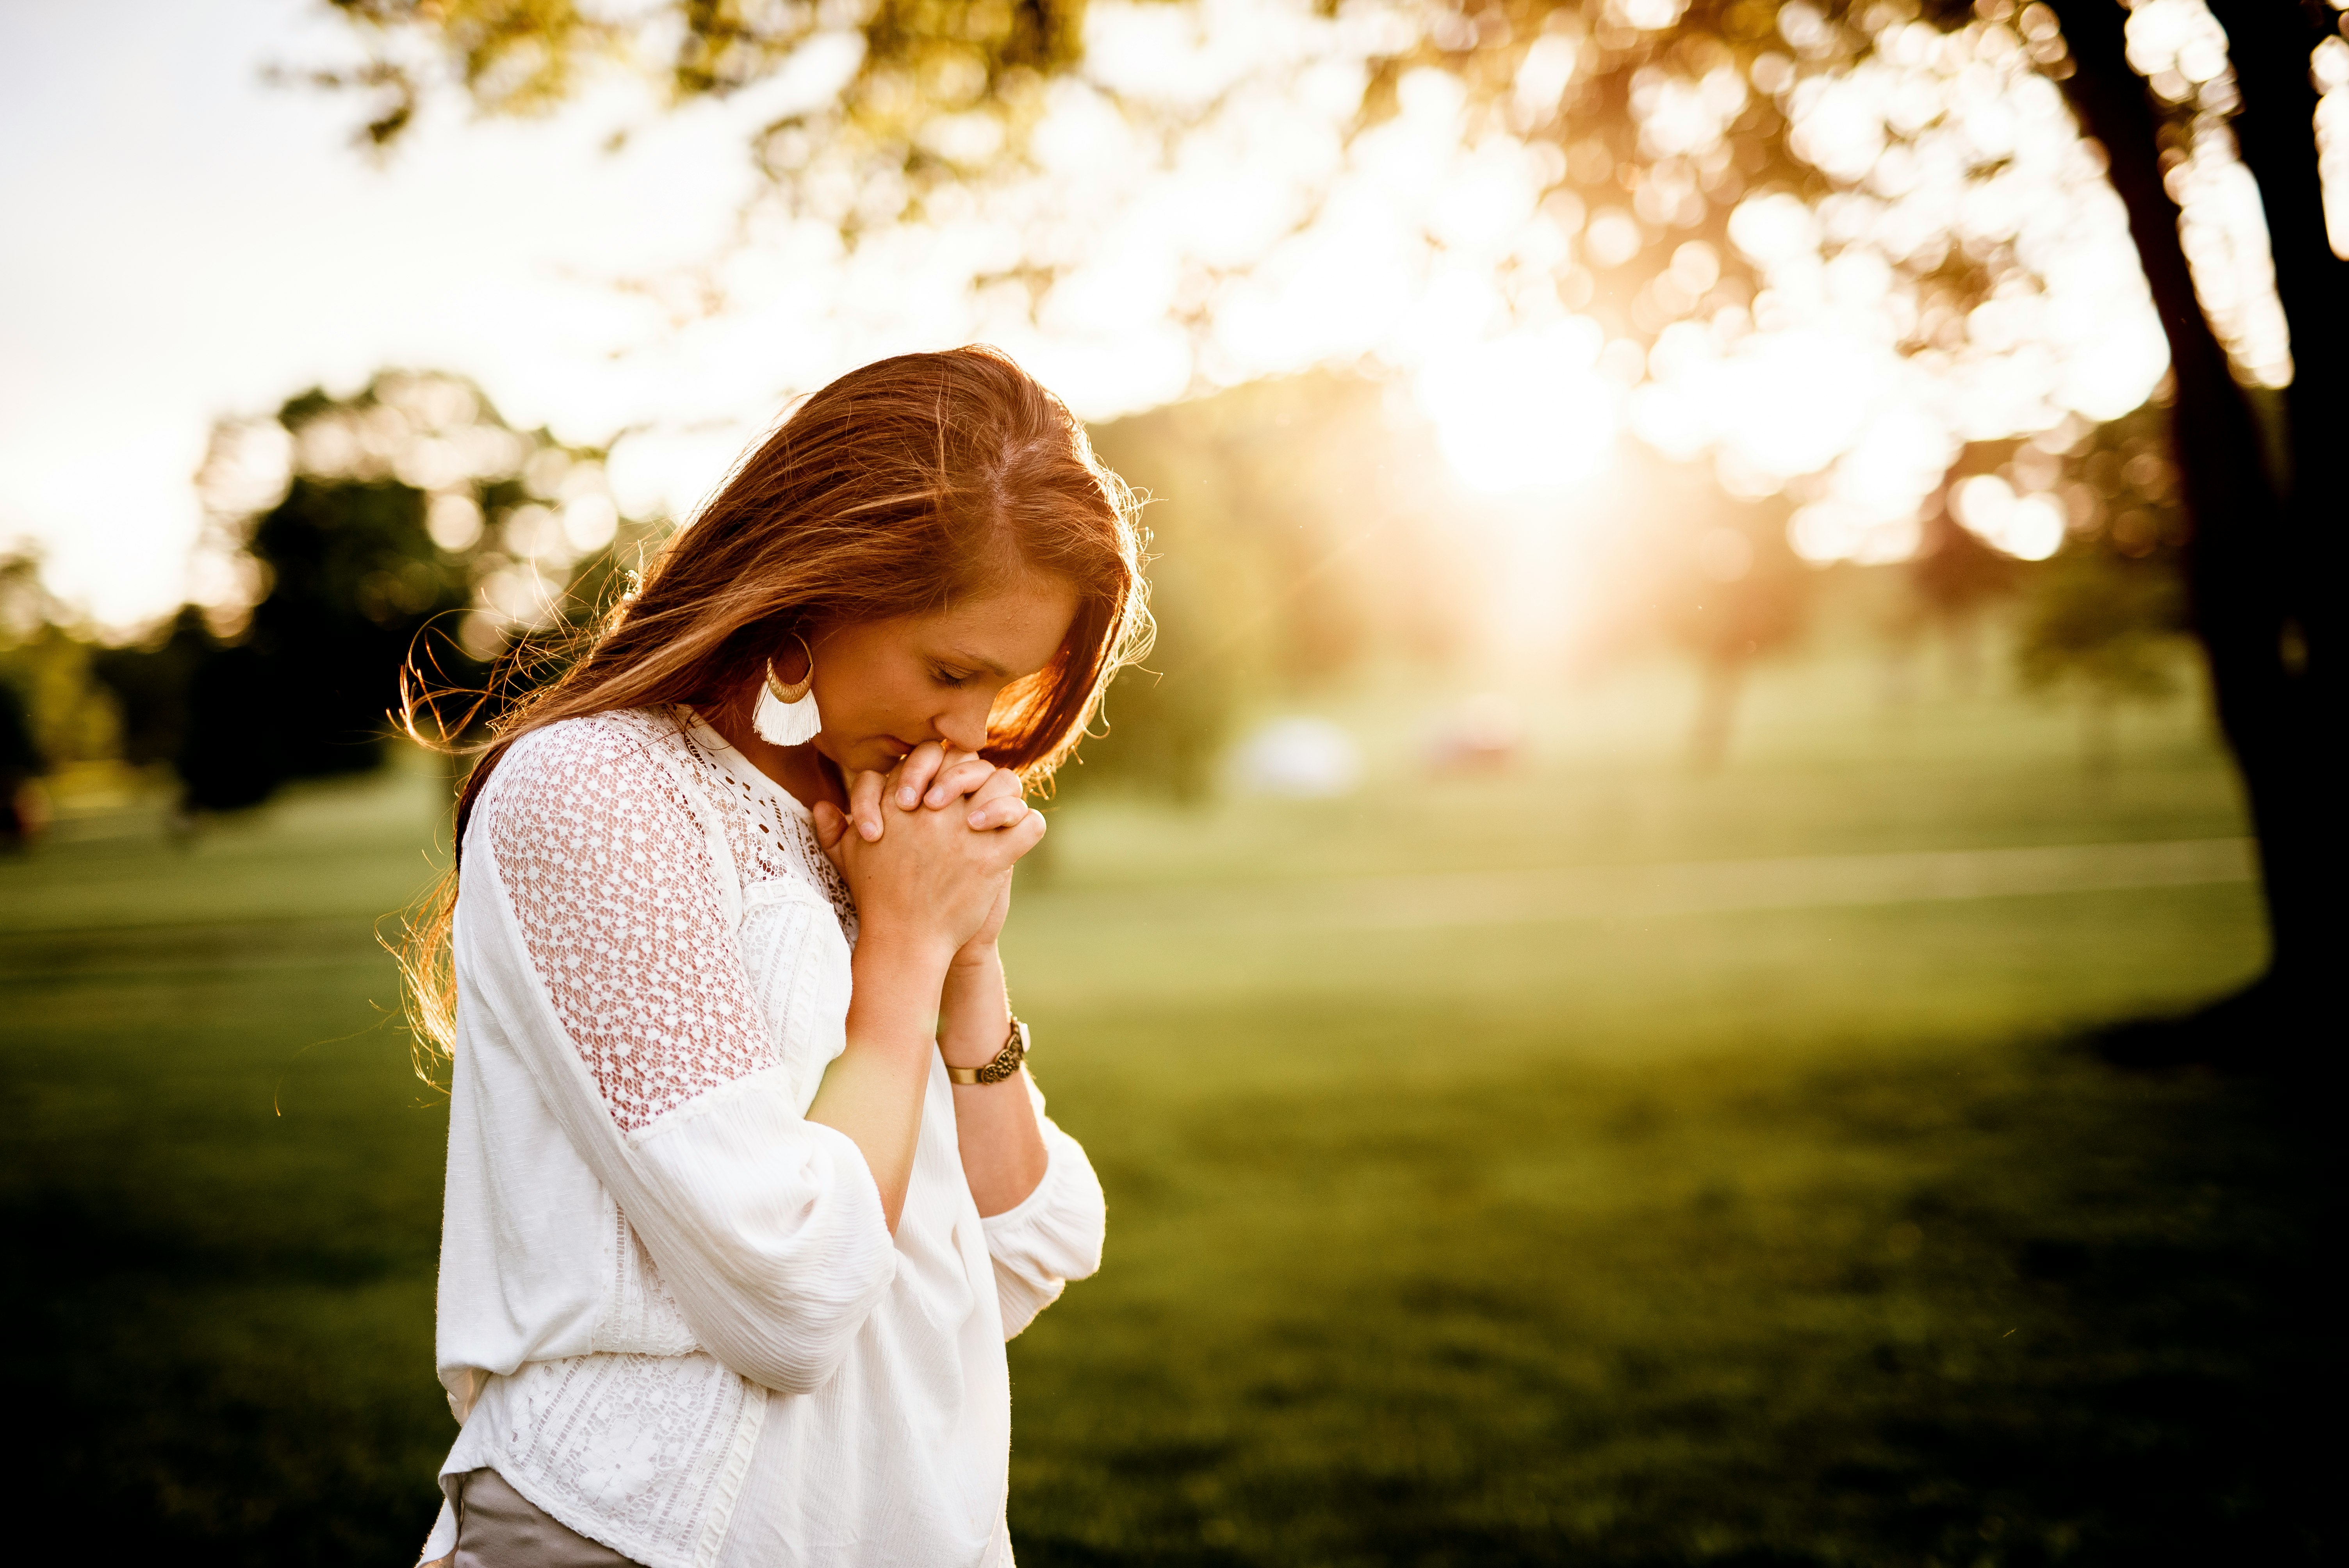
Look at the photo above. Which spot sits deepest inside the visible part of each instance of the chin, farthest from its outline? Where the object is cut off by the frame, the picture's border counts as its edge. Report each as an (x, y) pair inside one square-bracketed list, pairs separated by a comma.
[(877, 754)]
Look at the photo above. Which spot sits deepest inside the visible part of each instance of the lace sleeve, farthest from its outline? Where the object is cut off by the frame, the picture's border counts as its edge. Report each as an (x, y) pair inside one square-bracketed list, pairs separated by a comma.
[(608, 871)]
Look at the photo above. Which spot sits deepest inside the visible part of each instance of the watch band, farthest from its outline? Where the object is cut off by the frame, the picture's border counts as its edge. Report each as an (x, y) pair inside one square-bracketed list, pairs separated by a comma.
[(1006, 1062)]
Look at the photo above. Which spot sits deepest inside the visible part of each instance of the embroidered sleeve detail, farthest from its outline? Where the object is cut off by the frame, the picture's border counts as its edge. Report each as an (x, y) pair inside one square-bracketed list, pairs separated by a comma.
[(610, 875)]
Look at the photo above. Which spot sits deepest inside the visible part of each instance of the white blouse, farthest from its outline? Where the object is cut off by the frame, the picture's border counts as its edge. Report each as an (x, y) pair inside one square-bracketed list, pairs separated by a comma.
[(671, 1313)]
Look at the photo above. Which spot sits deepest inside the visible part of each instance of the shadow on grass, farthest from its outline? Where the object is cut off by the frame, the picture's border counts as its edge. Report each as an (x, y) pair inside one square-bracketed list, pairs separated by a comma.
[(215, 1403), (2023, 1310), (2015, 1308)]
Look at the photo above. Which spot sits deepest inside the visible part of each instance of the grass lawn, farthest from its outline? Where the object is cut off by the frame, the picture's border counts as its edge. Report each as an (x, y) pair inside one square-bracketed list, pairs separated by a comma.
[(1446, 1228)]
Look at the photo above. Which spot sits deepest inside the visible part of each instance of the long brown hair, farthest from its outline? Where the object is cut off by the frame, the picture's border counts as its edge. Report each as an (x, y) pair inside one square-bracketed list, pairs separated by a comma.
[(899, 489)]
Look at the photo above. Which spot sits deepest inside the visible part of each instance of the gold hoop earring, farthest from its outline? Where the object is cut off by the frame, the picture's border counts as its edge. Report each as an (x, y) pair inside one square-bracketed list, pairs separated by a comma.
[(787, 715), (799, 688)]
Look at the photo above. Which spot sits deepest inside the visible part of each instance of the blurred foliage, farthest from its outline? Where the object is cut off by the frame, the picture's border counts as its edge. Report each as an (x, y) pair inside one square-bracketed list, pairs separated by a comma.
[(1955, 572), (46, 665), (2109, 614), (1620, 64), (1653, 121), (2105, 622), (303, 690), (21, 757), (938, 90), (24, 615), (1306, 534), (943, 95), (1298, 536), (20, 762), (1727, 589), (150, 682), (404, 528)]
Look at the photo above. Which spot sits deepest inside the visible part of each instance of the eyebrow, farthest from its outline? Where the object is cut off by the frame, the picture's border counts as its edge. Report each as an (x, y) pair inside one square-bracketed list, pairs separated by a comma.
[(960, 657)]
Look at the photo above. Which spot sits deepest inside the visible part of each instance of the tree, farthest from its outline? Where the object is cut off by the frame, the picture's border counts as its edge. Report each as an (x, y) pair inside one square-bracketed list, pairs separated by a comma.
[(2260, 555), (48, 662), (933, 95), (1681, 141), (1293, 544), (2107, 616), (1735, 596), (405, 527), (150, 683), (21, 757), (1954, 577)]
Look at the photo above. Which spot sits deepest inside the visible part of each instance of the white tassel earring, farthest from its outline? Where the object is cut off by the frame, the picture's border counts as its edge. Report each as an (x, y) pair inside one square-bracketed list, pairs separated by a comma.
[(786, 715)]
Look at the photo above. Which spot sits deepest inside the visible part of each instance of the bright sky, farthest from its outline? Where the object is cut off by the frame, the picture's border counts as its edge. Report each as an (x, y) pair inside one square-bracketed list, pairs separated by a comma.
[(186, 243)]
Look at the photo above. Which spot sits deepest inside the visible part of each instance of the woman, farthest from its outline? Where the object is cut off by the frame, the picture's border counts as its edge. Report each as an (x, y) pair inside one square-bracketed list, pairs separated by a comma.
[(747, 1184)]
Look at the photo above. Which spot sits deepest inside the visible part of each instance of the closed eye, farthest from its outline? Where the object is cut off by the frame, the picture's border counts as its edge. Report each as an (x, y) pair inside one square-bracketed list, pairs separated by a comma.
[(950, 678)]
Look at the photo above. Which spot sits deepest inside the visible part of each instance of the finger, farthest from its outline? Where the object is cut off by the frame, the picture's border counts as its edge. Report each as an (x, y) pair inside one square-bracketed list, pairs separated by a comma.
[(864, 805), (915, 773), (830, 825), (1026, 834), (1003, 784), (1003, 797), (1002, 812), (958, 779)]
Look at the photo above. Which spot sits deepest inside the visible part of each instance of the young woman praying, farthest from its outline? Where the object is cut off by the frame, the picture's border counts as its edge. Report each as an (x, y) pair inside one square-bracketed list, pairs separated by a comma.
[(747, 1184)]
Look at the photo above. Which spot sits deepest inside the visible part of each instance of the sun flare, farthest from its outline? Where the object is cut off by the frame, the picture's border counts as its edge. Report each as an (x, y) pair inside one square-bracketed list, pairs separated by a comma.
[(1529, 414)]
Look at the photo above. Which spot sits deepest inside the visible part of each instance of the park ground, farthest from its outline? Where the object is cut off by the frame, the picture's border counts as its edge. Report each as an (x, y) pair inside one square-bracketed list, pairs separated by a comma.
[(1584, 1162)]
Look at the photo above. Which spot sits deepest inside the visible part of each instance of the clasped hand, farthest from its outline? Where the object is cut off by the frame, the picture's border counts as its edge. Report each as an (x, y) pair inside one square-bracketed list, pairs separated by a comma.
[(920, 871)]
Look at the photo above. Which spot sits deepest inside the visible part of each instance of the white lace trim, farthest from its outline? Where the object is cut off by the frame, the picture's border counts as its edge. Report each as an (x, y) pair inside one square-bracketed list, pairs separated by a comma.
[(616, 1447), (769, 833)]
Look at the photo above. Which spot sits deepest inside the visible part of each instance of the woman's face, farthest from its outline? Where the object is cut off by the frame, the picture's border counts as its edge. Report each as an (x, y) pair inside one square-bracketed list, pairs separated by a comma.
[(885, 686)]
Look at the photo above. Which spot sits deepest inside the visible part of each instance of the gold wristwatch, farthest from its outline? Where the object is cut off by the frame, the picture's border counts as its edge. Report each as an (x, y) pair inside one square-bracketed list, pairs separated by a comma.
[(1007, 1060)]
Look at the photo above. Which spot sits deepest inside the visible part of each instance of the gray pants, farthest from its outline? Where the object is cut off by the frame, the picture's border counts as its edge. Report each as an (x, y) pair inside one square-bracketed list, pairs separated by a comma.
[(497, 1527)]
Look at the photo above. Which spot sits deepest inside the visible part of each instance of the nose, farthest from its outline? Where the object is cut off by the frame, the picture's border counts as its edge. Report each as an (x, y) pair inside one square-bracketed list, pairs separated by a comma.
[(964, 726)]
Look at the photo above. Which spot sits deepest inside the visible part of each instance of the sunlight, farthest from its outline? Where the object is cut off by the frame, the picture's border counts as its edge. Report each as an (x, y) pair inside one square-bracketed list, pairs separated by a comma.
[(1529, 414), (1209, 203)]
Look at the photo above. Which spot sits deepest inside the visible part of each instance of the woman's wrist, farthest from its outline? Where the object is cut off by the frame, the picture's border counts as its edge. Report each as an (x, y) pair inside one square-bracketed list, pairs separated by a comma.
[(907, 949), (973, 1011), (972, 1045)]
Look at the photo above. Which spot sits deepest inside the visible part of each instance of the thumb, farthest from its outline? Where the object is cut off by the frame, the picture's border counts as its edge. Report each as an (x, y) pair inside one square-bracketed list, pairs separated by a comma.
[(831, 824)]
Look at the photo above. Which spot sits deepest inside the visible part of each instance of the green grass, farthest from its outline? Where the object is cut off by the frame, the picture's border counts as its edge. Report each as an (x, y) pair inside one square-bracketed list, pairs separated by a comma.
[(1793, 1234)]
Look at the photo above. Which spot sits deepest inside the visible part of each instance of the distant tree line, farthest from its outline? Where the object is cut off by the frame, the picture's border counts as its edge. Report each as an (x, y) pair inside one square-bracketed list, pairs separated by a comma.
[(403, 530), (1305, 532)]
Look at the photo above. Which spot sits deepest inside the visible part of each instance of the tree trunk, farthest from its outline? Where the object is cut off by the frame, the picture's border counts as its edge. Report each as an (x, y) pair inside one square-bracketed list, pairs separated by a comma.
[(2269, 44), (2239, 560), (2100, 740), (1721, 679)]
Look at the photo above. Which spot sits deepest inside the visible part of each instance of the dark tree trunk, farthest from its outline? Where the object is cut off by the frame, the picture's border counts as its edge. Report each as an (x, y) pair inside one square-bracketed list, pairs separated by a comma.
[(2269, 42), (2243, 570)]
